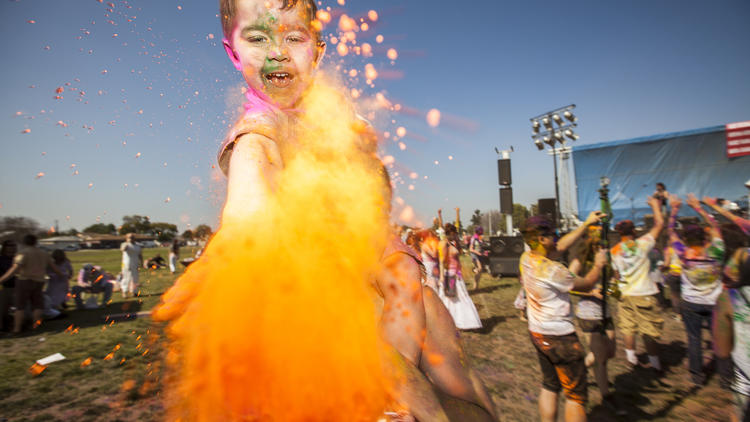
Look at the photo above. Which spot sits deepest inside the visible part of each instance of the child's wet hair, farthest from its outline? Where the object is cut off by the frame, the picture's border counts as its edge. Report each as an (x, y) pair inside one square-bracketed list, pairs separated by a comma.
[(228, 8)]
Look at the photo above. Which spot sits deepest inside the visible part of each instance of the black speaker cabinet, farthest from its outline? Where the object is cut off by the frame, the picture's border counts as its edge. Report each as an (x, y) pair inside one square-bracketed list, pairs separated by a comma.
[(546, 208), (506, 200), (506, 246), (504, 266), (503, 172)]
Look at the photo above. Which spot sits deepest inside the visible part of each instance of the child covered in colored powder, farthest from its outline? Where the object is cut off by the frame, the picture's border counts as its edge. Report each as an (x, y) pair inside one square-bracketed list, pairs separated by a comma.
[(297, 126)]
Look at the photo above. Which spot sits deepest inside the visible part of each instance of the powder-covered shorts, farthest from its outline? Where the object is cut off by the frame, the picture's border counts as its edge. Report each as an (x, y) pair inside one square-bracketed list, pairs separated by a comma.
[(563, 368), (641, 314)]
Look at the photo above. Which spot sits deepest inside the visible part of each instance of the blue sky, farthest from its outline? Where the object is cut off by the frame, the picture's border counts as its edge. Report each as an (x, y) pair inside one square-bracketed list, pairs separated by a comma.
[(162, 87)]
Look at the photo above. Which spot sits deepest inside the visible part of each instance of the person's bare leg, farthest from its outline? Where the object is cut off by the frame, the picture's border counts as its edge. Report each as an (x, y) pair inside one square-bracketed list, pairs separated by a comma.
[(652, 348), (548, 406), (18, 321), (600, 348), (574, 412), (38, 316), (630, 356)]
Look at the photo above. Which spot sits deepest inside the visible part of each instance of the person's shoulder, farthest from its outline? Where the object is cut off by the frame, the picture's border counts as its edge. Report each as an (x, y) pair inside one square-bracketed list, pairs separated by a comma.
[(264, 122)]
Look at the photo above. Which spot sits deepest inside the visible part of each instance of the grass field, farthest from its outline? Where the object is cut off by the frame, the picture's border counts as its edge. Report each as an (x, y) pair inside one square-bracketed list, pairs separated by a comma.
[(100, 381)]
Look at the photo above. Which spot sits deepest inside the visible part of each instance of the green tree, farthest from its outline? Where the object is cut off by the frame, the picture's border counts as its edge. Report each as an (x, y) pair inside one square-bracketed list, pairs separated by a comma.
[(187, 234), (520, 214), (135, 224), (476, 218), (101, 228), (164, 232), (203, 232)]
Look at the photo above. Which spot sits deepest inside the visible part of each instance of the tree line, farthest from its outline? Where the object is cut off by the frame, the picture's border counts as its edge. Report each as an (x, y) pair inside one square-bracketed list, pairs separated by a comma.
[(164, 232)]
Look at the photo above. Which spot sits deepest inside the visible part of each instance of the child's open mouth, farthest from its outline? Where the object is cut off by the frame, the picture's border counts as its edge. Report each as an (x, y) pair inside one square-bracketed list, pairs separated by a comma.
[(279, 79)]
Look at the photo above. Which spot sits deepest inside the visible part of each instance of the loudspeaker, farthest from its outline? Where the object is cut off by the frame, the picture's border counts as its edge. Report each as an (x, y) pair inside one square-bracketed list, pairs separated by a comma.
[(546, 208), (504, 266), (506, 246), (503, 172), (506, 200)]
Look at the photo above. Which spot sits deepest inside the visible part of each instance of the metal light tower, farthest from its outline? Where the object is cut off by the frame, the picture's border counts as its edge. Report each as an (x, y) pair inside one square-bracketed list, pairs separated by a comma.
[(551, 128)]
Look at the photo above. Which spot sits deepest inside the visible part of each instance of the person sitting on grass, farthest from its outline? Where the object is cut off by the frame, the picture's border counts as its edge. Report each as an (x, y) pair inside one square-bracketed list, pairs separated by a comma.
[(91, 279), (156, 262)]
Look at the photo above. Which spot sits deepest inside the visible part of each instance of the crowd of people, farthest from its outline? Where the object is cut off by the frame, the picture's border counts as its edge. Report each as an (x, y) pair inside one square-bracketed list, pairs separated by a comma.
[(704, 265), (38, 283)]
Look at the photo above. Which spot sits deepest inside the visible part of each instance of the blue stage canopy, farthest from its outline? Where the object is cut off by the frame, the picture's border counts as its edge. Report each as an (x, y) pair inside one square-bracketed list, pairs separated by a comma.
[(691, 161)]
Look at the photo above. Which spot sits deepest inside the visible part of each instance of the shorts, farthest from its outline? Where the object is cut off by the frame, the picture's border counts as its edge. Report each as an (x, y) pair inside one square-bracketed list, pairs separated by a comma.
[(29, 291), (641, 314), (595, 325), (563, 368)]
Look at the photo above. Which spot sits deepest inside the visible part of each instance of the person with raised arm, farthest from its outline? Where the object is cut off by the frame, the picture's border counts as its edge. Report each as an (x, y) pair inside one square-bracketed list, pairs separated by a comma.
[(639, 309), (743, 223), (548, 284), (701, 254)]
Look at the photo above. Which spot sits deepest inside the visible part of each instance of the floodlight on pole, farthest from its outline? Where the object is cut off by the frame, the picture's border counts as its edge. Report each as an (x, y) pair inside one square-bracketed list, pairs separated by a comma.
[(535, 126), (558, 125)]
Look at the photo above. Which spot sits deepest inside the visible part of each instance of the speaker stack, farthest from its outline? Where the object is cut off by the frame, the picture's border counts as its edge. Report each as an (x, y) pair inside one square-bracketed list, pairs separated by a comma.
[(546, 207), (505, 254)]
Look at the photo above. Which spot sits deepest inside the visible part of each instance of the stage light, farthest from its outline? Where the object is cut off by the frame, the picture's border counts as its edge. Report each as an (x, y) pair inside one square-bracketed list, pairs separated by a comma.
[(549, 141), (547, 123), (535, 126), (556, 117), (570, 116), (559, 136), (539, 144)]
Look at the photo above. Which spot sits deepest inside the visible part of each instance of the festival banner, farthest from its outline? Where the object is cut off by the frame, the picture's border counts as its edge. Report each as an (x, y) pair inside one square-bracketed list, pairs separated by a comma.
[(738, 139)]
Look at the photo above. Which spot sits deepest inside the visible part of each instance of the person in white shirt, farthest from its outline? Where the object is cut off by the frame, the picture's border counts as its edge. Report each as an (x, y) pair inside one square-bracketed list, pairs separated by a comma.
[(547, 284), (131, 261), (640, 310)]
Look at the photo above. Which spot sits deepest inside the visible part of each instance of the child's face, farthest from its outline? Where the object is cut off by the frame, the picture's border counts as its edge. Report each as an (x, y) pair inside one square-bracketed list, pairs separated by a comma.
[(275, 50)]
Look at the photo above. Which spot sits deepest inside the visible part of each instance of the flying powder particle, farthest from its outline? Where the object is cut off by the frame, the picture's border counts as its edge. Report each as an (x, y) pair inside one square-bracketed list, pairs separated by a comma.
[(433, 117)]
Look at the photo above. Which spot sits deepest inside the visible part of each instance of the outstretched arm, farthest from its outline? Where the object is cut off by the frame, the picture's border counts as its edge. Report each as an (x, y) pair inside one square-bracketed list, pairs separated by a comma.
[(253, 169), (696, 205), (658, 218), (674, 239), (403, 319), (722, 328), (569, 239), (736, 219), (8, 274), (440, 218)]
